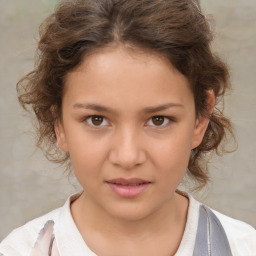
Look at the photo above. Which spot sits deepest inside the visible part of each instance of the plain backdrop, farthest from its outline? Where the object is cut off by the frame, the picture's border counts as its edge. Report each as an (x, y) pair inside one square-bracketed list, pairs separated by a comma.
[(31, 186)]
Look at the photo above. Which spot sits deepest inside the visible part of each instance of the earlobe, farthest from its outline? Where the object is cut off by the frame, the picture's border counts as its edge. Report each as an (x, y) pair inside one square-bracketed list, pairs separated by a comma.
[(60, 135), (203, 121)]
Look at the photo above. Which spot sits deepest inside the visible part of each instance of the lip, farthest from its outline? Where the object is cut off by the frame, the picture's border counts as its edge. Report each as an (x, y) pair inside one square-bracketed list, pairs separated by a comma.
[(128, 188)]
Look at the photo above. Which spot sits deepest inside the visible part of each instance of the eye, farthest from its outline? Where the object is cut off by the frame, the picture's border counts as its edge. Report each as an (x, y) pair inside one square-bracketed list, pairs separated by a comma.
[(96, 121), (159, 121)]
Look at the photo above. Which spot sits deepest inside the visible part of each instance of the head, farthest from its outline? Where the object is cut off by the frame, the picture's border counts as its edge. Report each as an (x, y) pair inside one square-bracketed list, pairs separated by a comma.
[(173, 31)]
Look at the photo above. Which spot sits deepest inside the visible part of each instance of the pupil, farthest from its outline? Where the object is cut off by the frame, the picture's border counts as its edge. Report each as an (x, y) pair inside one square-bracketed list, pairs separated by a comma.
[(97, 120), (158, 120)]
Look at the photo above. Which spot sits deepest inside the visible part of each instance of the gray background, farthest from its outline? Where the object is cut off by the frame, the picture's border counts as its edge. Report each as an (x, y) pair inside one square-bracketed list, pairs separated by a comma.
[(31, 186)]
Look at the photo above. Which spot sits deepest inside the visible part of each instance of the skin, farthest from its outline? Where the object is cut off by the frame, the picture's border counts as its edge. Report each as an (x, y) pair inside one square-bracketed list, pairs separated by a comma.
[(129, 143)]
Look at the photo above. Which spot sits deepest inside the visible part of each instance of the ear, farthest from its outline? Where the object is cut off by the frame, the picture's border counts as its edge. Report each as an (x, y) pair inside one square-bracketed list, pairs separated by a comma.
[(61, 136), (203, 121)]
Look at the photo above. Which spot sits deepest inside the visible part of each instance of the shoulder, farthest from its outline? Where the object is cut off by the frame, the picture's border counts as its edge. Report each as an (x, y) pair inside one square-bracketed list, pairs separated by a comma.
[(21, 240), (241, 236)]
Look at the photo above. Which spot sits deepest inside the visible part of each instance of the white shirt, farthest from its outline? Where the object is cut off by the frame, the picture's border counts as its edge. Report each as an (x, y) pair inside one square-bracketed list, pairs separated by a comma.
[(68, 241)]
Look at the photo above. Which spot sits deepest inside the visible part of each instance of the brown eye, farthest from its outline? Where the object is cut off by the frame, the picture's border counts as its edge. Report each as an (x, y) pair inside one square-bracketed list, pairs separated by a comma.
[(158, 120), (96, 121)]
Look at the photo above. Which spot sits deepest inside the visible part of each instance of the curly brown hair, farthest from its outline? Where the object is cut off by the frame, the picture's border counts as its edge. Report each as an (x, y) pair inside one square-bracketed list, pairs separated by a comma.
[(177, 29)]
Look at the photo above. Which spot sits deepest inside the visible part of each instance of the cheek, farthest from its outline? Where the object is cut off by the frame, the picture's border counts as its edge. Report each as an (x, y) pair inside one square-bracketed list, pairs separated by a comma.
[(172, 155), (175, 146), (87, 156), (171, 170)]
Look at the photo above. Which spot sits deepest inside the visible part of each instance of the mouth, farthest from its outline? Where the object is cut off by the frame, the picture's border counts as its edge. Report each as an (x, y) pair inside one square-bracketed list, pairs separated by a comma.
[(128, 188)]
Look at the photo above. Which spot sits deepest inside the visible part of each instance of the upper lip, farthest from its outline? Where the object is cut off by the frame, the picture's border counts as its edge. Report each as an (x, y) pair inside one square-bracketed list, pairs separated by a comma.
[(123, 181)]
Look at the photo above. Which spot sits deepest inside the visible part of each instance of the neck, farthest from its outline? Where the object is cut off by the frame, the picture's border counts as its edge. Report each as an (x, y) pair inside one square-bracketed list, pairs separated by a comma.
[(95, 224)]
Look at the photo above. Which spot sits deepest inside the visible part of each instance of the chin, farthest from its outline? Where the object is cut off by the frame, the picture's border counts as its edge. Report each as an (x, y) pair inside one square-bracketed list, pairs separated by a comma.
[(130, 212)]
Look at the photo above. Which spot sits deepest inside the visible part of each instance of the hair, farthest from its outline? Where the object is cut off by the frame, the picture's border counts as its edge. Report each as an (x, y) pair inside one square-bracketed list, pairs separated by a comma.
[(176, 29)]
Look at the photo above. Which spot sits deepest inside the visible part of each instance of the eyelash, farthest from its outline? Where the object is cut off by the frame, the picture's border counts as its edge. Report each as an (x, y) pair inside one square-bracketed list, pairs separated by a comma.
[(170, 119)]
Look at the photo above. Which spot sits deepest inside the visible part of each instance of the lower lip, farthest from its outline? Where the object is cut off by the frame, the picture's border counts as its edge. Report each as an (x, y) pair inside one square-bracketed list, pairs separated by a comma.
[(128, 191)]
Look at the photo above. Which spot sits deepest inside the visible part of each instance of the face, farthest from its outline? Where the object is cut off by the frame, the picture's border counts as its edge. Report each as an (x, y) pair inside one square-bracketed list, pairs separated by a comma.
[(129, 124)]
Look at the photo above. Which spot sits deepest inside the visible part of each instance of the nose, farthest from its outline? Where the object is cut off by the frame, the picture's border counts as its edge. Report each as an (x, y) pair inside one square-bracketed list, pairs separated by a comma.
[(127, 149)]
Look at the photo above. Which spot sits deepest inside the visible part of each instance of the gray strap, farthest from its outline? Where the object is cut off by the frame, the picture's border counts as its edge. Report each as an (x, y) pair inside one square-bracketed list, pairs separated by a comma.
[(201, 244), (211, 239)]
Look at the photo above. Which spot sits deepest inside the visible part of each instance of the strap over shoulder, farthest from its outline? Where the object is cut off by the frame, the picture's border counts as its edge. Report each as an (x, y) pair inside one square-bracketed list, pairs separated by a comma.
[(211, 239)]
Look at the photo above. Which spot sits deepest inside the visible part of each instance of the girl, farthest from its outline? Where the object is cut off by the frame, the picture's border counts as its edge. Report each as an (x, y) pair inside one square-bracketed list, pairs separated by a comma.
[(125, 92)]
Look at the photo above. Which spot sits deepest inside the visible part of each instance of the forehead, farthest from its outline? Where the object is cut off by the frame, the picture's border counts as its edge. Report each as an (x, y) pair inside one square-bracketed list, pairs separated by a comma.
[(122, 75)]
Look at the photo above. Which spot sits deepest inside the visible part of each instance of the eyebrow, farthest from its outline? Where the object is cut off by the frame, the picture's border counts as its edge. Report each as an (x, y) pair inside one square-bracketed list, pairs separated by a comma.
[(153, 109), (147, 110), (96, 107)]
